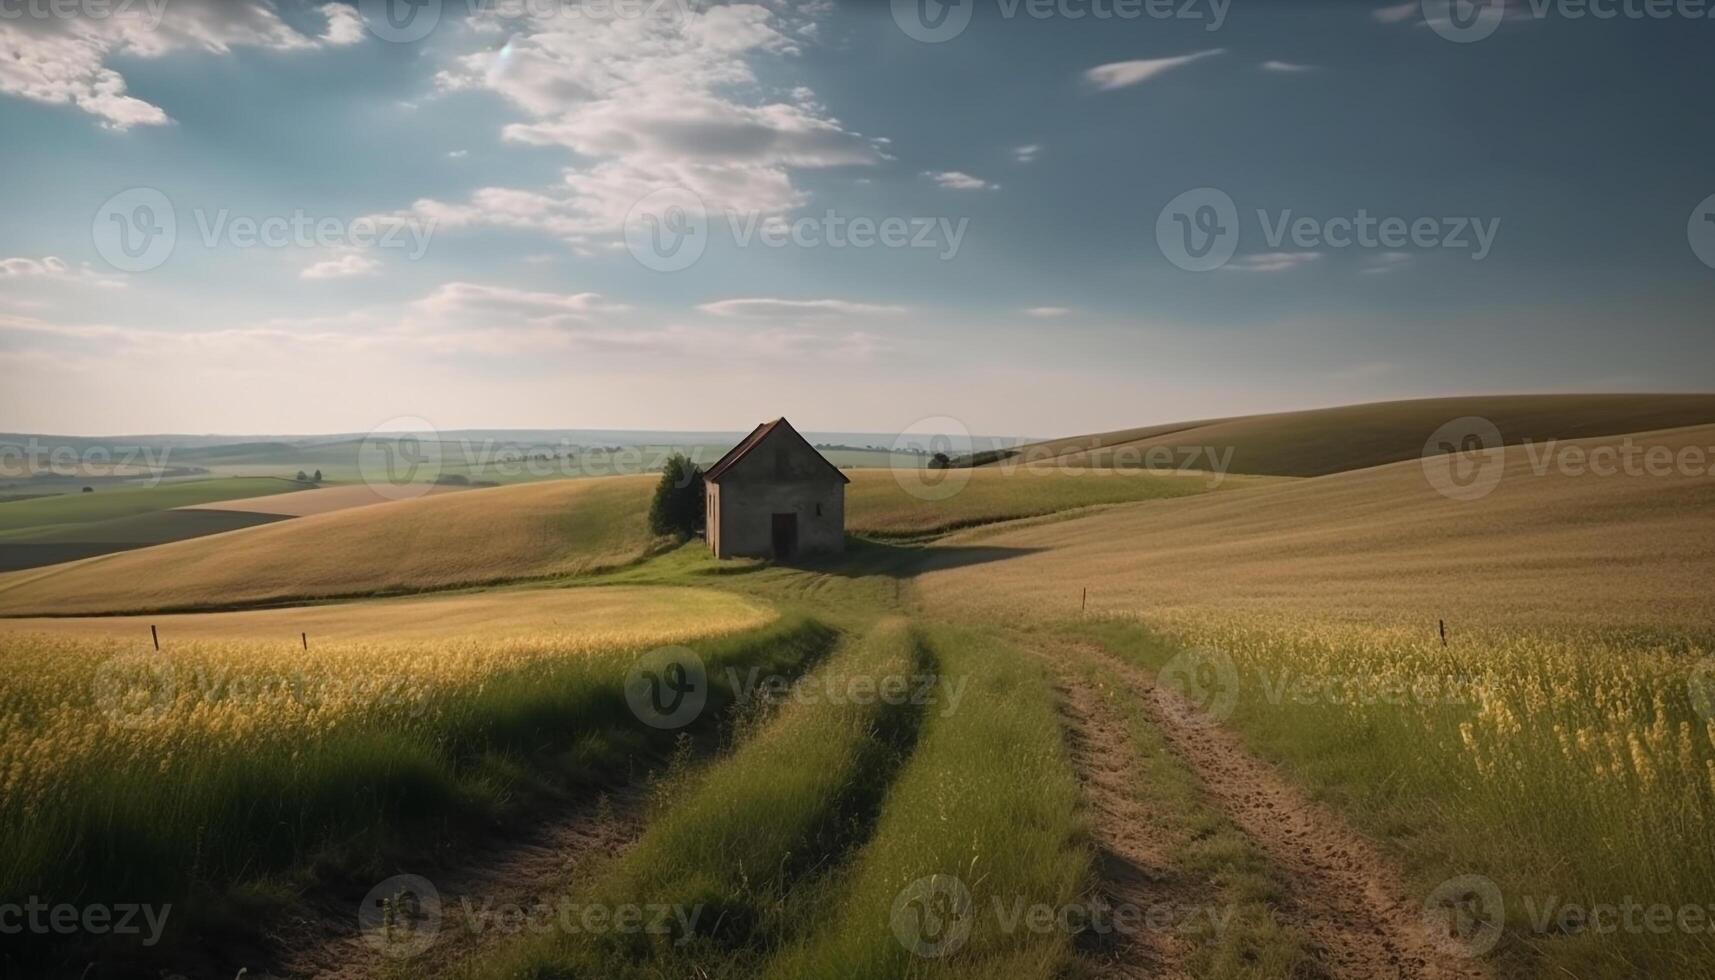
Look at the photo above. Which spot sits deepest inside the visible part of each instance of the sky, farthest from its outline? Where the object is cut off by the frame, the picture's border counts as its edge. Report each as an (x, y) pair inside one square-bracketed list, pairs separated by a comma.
[(1023, 216)]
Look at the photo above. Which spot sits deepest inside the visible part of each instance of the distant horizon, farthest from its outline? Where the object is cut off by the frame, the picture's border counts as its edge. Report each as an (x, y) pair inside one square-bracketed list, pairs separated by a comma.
[(807, 430)]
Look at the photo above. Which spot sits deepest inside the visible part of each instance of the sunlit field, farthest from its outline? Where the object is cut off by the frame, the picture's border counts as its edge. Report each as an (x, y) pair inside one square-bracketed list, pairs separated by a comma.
[(165, 770), (1568, 766), (918, 503)]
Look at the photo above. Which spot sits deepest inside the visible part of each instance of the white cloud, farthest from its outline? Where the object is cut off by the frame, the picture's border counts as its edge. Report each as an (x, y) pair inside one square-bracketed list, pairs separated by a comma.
[(1048, 312), (1387, 262), (62, 60), (1286, 67), (1027, 154), (474, 303), (347, 266), (54, 269), (958, 180), (816, 308), (345, 25), (1272, 261), (648, 103), (1122, 74)]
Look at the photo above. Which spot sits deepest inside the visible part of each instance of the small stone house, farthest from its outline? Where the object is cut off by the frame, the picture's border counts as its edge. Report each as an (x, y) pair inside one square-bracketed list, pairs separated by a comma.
[(775, 496)]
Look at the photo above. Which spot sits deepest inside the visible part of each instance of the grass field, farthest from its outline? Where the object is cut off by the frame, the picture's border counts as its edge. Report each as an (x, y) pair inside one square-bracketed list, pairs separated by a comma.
[(57, 543), (1570, 699), (917, 503), (308, 503), (110, 502), (1382, 545), (1559, 742), (513, 533), (1334, 440), (131, 773), (468, 538)]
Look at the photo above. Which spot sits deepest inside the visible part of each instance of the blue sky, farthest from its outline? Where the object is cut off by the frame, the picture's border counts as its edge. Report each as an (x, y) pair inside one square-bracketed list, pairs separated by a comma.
[(515, 161)]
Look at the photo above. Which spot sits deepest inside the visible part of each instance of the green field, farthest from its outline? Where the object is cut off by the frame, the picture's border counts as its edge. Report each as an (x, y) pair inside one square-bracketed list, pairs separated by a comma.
[(53, 544), (1231, 711), (110, 502)]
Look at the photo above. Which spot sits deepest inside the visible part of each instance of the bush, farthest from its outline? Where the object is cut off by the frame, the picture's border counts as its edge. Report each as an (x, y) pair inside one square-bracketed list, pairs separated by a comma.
[(678, 505)]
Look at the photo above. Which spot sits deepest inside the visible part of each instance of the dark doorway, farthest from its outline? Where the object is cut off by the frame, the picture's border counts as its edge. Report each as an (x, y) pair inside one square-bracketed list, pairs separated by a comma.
[(785, 535)]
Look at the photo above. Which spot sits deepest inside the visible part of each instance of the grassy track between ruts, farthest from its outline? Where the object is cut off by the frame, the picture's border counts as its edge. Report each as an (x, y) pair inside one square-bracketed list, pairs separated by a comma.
[(1562, 767), (1221, 896), (255, 769), (740, 849), (986, 808)]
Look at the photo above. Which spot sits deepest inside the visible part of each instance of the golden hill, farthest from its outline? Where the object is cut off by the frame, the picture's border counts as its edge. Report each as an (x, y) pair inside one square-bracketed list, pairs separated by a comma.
[(437, 541), (1552, 544), (1333, 440)]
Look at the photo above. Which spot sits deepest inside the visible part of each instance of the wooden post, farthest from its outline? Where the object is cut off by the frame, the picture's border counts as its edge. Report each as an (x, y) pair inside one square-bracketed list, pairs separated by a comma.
[(1444, 632), (156, 637), (306, 638), (1084, 603)]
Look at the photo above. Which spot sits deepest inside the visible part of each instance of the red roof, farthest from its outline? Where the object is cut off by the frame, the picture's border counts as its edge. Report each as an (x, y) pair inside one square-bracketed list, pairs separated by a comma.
[(761, 432)]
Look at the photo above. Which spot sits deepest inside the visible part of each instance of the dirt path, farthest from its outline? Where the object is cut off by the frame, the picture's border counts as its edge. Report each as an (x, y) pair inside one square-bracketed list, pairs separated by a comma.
[(533, 871), (1134, 850), (1345, 895)]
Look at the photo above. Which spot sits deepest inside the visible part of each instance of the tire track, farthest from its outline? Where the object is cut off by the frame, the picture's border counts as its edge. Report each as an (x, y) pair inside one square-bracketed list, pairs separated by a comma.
[(1345, 895), (1134, 850), (325, 940)]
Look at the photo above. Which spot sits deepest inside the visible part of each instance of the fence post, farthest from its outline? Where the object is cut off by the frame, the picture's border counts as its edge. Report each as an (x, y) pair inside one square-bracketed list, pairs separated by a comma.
[(155, 637)]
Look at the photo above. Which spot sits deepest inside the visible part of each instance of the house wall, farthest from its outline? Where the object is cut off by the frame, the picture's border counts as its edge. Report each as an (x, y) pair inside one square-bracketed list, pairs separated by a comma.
[(781, 475)]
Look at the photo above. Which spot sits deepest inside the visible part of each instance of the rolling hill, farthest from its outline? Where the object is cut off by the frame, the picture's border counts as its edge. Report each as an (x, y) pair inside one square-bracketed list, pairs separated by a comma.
[(1334, 440), (442, 540), (1549, 546)]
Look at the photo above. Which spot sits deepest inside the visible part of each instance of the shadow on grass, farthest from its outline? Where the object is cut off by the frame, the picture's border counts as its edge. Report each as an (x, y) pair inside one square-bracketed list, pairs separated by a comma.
[(865, 558)]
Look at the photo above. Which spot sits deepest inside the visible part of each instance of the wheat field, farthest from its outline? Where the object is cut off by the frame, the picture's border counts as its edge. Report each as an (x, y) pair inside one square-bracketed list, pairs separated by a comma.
[(468, 538), (1381, 545)]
